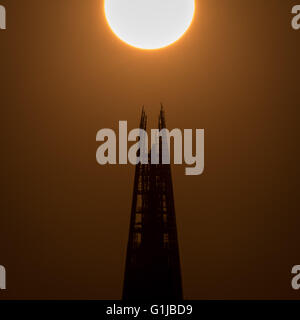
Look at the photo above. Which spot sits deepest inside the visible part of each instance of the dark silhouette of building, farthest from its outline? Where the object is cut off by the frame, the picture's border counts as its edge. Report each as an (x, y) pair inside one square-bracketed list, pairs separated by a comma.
[(152, 264)]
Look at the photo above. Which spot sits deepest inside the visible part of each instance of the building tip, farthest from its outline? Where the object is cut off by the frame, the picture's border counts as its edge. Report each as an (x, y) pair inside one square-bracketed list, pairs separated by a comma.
[(143, 110)]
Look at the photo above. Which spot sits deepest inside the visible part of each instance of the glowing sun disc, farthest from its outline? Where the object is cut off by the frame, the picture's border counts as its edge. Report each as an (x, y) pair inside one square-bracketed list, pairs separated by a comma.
[(149, 24)]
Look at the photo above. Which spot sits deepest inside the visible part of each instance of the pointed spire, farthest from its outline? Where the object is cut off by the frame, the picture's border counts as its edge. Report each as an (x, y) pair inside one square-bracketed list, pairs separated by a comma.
[(143, 122), (161, 121)]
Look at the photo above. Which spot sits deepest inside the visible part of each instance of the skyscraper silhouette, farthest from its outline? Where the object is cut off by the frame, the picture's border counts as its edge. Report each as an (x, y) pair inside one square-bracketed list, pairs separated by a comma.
[(152, 264)]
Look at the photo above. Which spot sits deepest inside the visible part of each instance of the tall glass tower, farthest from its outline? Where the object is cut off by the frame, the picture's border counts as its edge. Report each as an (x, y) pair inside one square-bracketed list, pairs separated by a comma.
[(152, 264)]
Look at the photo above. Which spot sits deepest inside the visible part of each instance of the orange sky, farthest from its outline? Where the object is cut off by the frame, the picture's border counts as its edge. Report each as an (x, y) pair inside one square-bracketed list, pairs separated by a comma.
[(65, 219)]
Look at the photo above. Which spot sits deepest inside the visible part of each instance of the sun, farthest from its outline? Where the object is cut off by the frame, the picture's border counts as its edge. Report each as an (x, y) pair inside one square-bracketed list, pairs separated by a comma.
[(149, 24)]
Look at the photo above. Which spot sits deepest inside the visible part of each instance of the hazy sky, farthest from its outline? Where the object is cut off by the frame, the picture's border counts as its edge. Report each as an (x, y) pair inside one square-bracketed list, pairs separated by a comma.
[(65, 219)]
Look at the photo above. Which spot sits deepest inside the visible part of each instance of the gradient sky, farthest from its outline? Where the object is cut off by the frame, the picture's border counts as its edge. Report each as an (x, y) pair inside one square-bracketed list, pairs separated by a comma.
[(65, 219)]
